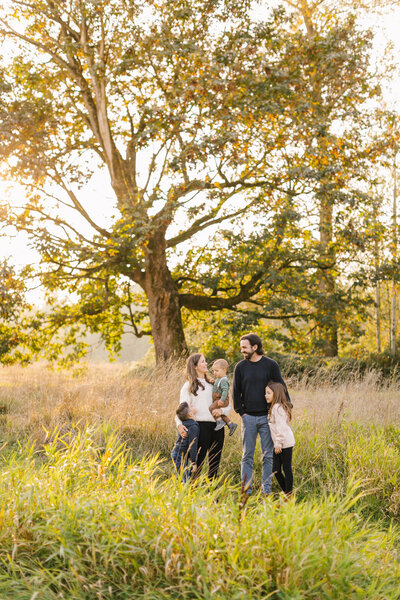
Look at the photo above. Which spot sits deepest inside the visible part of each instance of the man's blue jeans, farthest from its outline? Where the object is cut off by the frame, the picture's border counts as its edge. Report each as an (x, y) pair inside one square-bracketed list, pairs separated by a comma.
[(251, 426)]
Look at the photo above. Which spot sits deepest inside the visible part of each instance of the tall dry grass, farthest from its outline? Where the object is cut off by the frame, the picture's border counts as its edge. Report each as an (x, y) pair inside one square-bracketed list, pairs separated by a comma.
[(35, 399), (342, 430), (365, 398)]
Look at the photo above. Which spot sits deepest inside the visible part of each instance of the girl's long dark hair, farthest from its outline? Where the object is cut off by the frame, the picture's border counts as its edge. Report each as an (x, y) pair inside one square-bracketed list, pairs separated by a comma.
[(191, 374), (279, 397)]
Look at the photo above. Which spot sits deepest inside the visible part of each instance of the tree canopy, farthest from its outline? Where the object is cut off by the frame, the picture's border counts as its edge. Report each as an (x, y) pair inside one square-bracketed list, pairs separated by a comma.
[(208, 123)]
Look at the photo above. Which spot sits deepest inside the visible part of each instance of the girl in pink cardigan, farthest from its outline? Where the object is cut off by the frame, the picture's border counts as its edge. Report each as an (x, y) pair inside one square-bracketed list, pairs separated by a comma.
[(279, 415)]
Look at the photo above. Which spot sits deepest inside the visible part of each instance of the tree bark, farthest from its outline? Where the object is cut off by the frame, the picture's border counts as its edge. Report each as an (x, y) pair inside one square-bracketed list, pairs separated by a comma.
[(163, 301), (378, 317), (328, 323), (328, 327), (393, 331), (377, 284)]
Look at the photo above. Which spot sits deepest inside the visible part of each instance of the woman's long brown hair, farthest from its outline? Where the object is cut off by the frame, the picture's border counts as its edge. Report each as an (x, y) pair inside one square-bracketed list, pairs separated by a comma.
[(191, 374), (279, 397)]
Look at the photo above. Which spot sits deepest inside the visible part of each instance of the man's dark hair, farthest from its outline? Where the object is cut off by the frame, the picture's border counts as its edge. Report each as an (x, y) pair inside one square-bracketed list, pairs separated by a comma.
[(182, 411), (254, 341)]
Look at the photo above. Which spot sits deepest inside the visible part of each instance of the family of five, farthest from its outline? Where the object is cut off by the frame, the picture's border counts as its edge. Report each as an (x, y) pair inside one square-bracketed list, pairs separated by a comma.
[(260, 397)]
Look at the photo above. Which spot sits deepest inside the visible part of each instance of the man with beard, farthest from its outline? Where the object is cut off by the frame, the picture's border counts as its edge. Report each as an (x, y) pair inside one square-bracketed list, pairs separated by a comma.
[(250, 379)]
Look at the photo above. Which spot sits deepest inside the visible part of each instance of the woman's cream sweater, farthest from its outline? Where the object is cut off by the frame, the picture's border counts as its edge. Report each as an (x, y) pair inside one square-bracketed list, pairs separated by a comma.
[(201, 402)]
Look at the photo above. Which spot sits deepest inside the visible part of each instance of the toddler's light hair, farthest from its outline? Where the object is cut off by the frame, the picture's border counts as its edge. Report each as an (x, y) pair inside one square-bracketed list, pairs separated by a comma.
[(221, 363)]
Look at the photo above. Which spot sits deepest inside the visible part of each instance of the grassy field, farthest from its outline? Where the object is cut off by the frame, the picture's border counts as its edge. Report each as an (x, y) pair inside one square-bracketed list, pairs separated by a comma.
[(89, 508)]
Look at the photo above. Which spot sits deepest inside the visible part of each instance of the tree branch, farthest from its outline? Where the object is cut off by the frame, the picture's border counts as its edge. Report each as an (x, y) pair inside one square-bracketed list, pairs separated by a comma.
[(78, 206), (204, 222)]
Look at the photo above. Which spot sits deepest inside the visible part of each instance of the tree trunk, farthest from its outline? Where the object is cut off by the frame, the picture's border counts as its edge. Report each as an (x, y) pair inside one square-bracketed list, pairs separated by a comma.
[(328, 336), (378, 317), (393, 322), (163, 300), (389, 312), (394, 256), (377, 261), (327, 319)]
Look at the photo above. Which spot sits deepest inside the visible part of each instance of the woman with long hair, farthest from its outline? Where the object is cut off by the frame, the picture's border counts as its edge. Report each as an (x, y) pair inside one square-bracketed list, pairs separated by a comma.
[(197, 392)]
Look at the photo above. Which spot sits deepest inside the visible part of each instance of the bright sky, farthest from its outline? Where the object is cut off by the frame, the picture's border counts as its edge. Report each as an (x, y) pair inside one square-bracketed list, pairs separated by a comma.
[(98, 194)]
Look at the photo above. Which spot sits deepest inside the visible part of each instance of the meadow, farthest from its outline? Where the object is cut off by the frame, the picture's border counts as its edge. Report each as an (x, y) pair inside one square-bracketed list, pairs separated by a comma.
[(90, 508)]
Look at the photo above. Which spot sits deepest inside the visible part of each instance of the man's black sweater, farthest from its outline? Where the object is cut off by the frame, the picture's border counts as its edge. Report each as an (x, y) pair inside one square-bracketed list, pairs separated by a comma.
[(249, 382)]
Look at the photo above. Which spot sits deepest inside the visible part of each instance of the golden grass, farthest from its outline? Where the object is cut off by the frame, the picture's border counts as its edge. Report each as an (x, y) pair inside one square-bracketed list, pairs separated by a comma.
[(334, 440), (36, 399), (365, 399)]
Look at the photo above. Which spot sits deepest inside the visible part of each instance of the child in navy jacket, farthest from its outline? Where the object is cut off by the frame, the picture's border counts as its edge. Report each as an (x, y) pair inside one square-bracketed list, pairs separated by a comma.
[(185, 449)]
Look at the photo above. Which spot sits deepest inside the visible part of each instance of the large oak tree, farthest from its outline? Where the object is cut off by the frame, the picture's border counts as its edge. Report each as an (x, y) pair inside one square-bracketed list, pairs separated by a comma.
[(200, 118), (173, 99)]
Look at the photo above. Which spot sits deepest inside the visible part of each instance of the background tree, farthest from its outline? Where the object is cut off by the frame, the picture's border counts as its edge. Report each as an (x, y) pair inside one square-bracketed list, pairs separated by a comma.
[(331, 156), (13, 304), (339, 162)]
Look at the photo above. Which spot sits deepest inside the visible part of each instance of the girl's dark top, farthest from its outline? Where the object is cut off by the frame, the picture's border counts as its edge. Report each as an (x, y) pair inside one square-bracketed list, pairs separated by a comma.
[(249, 382), (191, 441)]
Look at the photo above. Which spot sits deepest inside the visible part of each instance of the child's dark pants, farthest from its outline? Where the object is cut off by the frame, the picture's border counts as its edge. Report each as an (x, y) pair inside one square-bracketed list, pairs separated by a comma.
[(284, 461)]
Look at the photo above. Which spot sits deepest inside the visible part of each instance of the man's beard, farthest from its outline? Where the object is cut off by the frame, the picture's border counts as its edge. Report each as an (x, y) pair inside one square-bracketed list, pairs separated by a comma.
[(248, 355)]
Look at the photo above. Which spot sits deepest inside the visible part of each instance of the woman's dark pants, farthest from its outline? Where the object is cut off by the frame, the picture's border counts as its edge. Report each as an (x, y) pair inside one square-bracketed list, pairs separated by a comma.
[(211, 442)]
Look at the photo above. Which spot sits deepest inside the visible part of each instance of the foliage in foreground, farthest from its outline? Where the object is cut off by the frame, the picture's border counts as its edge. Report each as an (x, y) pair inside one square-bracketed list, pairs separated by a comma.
[(81, 520)]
